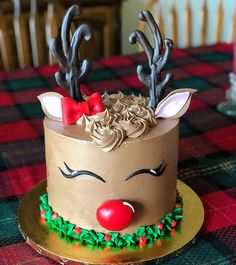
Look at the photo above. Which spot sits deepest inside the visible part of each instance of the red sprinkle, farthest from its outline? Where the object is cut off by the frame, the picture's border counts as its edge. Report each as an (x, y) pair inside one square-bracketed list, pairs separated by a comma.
[(55, 216), (142, 241), (177, 205), (173, 224), (42, 214), (42, 221), (107, 237), (173, 232), (106, 249), (160, 226), (77, 230)]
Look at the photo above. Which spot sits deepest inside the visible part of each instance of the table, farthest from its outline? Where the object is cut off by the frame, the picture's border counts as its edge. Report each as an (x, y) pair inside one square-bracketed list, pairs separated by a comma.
[(207, 147)]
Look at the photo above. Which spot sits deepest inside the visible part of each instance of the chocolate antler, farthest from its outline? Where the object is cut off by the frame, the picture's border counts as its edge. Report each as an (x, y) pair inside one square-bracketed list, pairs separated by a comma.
[(152, 77), (65, 50)]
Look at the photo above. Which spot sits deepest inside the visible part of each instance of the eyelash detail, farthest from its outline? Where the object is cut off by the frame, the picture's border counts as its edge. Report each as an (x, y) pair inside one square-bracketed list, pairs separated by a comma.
[(154, 172), (76, 173)]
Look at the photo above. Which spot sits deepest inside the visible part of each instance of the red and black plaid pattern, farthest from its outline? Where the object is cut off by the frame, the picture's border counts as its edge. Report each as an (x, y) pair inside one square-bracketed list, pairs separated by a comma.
[(207, 148)]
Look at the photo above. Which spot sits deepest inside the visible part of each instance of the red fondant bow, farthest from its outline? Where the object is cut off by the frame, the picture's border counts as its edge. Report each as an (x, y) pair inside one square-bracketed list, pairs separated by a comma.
[(72, 110)]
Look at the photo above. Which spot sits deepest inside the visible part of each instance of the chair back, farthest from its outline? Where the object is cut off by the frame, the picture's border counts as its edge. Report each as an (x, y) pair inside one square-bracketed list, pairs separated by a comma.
[(26, 29), (192, 23)]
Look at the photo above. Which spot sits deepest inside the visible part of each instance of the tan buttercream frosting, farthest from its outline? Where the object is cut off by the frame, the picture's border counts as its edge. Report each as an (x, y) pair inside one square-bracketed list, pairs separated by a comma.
[(124, 117), (77, 199)]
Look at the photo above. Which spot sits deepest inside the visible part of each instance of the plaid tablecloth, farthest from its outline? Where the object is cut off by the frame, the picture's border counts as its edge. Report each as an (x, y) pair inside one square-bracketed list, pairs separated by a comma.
[(207, 147)]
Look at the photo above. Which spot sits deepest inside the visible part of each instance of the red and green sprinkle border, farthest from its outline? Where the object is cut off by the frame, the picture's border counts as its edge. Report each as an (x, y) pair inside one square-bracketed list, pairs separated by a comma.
[(142, 236)]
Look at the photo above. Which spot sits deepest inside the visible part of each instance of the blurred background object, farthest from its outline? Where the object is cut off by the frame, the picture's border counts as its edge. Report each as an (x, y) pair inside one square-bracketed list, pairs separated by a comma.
[(188, 22), (228, 107), (111, 21), (27, 26)]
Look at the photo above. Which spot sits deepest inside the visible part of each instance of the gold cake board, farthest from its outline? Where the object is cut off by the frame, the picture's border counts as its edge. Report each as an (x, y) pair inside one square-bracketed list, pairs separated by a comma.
[(47, 243)]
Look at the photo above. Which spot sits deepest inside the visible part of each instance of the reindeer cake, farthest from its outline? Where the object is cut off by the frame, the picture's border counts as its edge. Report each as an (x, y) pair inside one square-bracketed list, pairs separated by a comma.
[(112, 159)]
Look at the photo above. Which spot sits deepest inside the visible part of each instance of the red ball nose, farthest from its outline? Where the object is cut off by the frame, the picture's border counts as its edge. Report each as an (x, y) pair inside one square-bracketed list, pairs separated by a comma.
[(115, 215)]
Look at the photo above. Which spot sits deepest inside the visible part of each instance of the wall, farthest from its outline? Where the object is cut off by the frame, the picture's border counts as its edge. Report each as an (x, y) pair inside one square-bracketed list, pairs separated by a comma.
[(129, 22), (131, 9)]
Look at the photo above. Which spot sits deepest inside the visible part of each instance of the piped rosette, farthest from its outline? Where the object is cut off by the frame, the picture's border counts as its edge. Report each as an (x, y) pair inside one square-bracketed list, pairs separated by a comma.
[(108, 137), (122, 119)]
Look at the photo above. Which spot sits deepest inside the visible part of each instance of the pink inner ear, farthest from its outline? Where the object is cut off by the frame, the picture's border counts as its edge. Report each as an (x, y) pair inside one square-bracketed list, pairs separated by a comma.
[(172, 105), (51, 105)]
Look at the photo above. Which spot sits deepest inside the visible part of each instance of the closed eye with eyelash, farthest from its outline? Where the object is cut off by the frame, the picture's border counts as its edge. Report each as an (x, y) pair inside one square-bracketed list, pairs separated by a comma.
[(154, 172), (75, 173)]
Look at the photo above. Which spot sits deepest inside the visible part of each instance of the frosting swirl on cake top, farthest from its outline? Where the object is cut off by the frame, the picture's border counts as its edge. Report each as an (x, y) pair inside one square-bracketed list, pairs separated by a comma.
[(124, 117)]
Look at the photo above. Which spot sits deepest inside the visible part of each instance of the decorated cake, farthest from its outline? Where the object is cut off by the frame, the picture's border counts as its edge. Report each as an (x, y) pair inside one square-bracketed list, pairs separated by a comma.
[(112, 159)]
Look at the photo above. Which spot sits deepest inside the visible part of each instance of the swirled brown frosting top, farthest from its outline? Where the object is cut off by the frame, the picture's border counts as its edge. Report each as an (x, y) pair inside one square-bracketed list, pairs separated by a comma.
[(124, 117)]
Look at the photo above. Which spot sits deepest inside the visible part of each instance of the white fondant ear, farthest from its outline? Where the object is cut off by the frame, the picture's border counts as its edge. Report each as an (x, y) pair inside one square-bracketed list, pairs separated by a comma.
[(51, 105), (175, 104)]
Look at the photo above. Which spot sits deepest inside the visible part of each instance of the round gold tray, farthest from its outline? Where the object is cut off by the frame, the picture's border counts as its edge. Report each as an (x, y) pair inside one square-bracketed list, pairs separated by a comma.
[(46, 242)]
